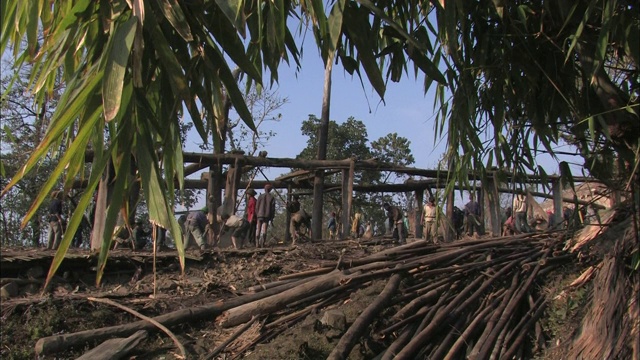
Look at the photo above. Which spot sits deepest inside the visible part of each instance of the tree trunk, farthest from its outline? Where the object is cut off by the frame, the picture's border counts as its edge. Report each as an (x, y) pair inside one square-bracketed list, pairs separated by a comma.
[(318, 181), (244, 313)]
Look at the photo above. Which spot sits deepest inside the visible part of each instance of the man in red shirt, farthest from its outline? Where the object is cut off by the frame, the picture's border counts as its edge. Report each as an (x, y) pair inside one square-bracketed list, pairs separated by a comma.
[(251, 215)]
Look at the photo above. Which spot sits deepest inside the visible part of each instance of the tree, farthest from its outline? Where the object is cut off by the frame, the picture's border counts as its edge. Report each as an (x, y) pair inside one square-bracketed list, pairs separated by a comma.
[(264, 106), (350, 139), (392, 149), (22, 128)]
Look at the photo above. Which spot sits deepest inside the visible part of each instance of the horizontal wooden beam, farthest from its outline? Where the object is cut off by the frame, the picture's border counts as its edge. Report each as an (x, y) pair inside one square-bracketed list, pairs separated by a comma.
[(201, 160)]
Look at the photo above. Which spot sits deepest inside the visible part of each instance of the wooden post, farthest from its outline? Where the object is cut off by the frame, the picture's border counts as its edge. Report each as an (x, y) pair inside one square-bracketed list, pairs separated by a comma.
[(480, 196), (492, 205), (237, 176), (346, 209), (318, 194), (214, 200), (287, 221), (557, 201), (347, 198), (419, 196), (448, 234), (234, 174)]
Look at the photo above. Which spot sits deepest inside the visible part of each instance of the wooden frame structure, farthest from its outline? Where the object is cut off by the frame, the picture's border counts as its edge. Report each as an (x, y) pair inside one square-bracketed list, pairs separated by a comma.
[(488, 192)]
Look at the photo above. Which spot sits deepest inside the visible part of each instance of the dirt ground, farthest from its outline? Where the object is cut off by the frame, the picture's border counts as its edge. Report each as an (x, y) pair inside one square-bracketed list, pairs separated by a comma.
[(222, 274)]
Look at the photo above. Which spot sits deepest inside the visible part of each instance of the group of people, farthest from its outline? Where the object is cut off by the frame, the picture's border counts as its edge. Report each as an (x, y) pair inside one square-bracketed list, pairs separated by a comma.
[(260, 212)]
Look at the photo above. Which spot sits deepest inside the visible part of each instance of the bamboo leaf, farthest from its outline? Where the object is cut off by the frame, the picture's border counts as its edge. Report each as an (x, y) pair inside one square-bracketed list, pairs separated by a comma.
[(592, 127), (63, 117), (173, 12), (389, 21), (565, 175), (233, 91), (226, 35), (32, 27), (115, 205), (172, 68), (366, 58), (8, 11), (335, 25), (116, 67), (232, 9), (428, 67), (79, 145), (154, 191)]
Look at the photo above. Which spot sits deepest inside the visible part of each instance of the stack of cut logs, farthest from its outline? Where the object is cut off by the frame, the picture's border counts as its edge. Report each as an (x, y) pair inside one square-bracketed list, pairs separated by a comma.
[(479, 299)]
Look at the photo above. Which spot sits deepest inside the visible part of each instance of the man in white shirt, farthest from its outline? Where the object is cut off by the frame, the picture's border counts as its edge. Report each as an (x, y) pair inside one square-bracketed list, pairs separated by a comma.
[(429, 221), (520, 213)]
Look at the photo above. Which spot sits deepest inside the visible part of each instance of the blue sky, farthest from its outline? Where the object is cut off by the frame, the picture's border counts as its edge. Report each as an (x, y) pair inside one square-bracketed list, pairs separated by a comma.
[(406, 111)]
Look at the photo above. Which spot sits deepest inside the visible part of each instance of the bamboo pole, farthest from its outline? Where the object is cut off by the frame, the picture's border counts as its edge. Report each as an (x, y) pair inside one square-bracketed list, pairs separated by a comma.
[(348, 340)]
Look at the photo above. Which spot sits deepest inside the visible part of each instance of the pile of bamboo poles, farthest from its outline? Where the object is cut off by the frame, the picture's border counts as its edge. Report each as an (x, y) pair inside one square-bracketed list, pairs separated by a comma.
[(475, 298)]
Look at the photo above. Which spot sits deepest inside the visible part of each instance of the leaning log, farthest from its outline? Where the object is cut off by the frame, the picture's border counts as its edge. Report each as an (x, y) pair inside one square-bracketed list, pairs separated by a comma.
[(241, 314)]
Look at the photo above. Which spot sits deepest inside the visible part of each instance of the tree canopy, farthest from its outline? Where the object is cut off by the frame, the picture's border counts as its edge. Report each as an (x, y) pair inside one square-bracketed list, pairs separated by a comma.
[(350, 139)]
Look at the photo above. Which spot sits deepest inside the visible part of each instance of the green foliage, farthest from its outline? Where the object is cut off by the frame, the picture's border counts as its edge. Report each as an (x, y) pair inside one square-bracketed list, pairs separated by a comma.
[(23, 125), (349, 140), (524, 81)]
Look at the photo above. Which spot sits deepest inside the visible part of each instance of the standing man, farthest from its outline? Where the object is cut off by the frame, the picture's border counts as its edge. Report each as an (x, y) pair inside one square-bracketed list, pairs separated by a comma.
[(429, 221), (332, 226), (355, 225), (520, 211), (265, 212), (251, 215), (196, 224), (56, 221), (472, 214), (395, 221)]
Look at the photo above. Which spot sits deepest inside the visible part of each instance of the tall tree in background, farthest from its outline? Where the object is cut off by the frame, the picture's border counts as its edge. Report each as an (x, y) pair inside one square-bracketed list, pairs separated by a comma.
[(350, 139), (264, 106), (23, 125)]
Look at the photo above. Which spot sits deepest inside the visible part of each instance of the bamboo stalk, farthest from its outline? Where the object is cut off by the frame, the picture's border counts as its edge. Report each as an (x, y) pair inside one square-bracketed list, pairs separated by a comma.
[(401, 323), (445, 344), (308, 273), (399, 342), (481, 345), (233, 336), (348, 340), (480, 318), (515, 345), (55, 343), (419, 302), (508, 312), (257, 288), (414, 346)]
